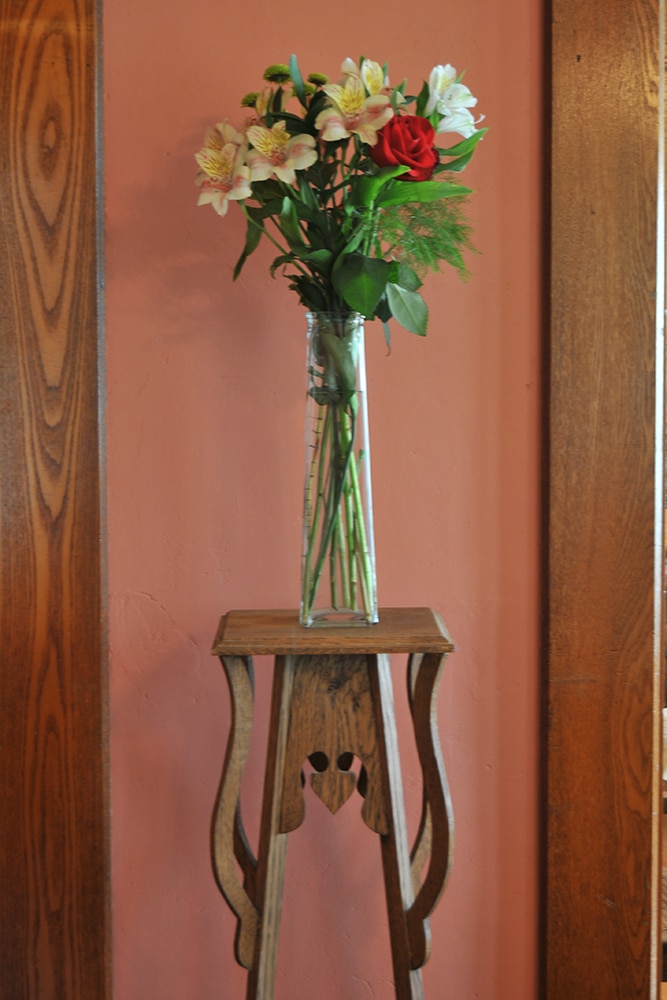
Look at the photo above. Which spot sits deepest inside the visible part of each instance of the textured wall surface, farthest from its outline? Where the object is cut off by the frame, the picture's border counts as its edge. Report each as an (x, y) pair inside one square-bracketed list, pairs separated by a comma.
[(205, 430)]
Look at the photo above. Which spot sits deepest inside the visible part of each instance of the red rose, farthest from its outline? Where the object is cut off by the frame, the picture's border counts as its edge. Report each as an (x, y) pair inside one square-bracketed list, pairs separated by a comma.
[(407, 140)]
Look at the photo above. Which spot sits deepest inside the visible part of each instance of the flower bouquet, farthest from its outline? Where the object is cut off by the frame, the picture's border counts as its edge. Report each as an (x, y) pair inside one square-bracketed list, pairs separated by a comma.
[(347, 181)]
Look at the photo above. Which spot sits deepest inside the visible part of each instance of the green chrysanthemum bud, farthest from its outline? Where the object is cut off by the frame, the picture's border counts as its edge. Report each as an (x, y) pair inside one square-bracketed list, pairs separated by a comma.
[(308, 90), (318, 79), (277, 73), (250, 99)]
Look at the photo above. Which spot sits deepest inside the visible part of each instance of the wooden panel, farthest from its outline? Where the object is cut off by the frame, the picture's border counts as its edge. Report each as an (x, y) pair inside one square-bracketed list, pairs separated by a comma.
[(602, 555), (54, 917)]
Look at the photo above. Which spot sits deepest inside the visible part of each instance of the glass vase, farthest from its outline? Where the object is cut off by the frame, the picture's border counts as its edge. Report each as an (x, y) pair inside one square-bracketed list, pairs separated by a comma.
[(338, 582)]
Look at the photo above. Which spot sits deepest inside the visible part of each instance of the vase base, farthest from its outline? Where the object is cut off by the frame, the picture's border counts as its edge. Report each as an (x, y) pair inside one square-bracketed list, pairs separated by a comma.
[(333, 618)]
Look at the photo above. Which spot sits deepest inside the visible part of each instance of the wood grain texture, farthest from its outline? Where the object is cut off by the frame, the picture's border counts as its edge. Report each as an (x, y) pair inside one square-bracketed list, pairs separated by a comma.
[(331, 716), (602, 659), (228, 839), (400, 630), (54, 918), (408, 982), (435, 836), (272, 841), (329, 708)]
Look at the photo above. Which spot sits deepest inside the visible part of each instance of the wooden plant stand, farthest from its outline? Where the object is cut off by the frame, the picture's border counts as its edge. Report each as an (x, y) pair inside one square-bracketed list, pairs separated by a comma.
[(332, 701)]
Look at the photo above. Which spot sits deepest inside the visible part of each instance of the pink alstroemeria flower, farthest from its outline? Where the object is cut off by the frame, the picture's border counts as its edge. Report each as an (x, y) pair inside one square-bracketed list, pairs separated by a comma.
[(276, 152), (352, 112), (223, 174)]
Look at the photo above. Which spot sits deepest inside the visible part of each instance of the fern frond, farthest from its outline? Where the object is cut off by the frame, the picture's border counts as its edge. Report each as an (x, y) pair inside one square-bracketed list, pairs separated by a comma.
[(424, 234)]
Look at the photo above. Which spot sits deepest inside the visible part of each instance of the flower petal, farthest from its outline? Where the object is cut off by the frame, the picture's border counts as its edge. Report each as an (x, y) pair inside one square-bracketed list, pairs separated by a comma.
[(260, 167), (441, 77), (331, 125), (301, 152), (349, 67), (372, 75), (461, 120)]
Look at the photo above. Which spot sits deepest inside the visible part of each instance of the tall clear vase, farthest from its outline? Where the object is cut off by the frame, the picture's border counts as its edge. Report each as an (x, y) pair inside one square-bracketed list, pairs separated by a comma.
[(338, 582)]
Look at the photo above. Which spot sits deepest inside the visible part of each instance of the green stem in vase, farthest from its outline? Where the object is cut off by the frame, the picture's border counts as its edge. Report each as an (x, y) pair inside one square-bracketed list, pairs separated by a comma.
[(339, 463), (342, 549), (350, 561), (315, 504), (358, 544), (335, 531), (337, 516)]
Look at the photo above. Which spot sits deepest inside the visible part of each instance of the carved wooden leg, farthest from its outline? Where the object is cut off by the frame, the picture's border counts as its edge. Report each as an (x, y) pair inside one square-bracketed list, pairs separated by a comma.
[(272, 841), (394, 844), (228, 838), (435, 836)]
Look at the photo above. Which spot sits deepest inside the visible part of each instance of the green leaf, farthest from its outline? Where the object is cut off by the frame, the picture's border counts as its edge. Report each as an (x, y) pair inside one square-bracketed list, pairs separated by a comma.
[(344, 361), (289, 224), (353, 239), (307, 194), (361, 281), (277, 102), (253, 235), (297, 80), (387, 336), (404, 192), (382, 310), (408, 308), (293, 124), (310, 295), (365, 189), (384, 314), (320, 259), (466, 145), (279, 261), (422, 98), (462, 153), (397, 96), (317, 103), (267, 191), (408, 279), (454, 166)]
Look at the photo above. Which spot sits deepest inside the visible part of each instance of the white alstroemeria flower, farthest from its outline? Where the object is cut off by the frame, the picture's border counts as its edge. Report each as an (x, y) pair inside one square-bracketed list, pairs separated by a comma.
[(440, 79), (445, 94), (277, 152), (451, 100), (455, 97), (460, 120)]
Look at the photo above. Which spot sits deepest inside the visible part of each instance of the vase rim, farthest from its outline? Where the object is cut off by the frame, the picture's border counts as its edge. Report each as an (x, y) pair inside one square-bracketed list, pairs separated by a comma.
[(349, 313)]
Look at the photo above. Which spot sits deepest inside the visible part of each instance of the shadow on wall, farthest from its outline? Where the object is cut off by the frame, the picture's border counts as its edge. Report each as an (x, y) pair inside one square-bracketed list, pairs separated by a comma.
[(178, 250)]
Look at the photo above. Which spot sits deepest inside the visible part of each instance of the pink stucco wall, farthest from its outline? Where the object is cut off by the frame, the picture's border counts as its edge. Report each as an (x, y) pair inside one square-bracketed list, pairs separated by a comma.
[(205, 411)]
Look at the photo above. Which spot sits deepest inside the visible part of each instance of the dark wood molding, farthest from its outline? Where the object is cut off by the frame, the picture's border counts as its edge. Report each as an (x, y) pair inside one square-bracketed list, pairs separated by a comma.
[(54, 855), (603, 648)]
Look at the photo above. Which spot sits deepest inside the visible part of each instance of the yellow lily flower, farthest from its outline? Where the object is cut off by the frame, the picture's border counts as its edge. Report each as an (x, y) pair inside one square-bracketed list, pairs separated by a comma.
[(276, 152), (373, 77), (223, 174), (351, 112)]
